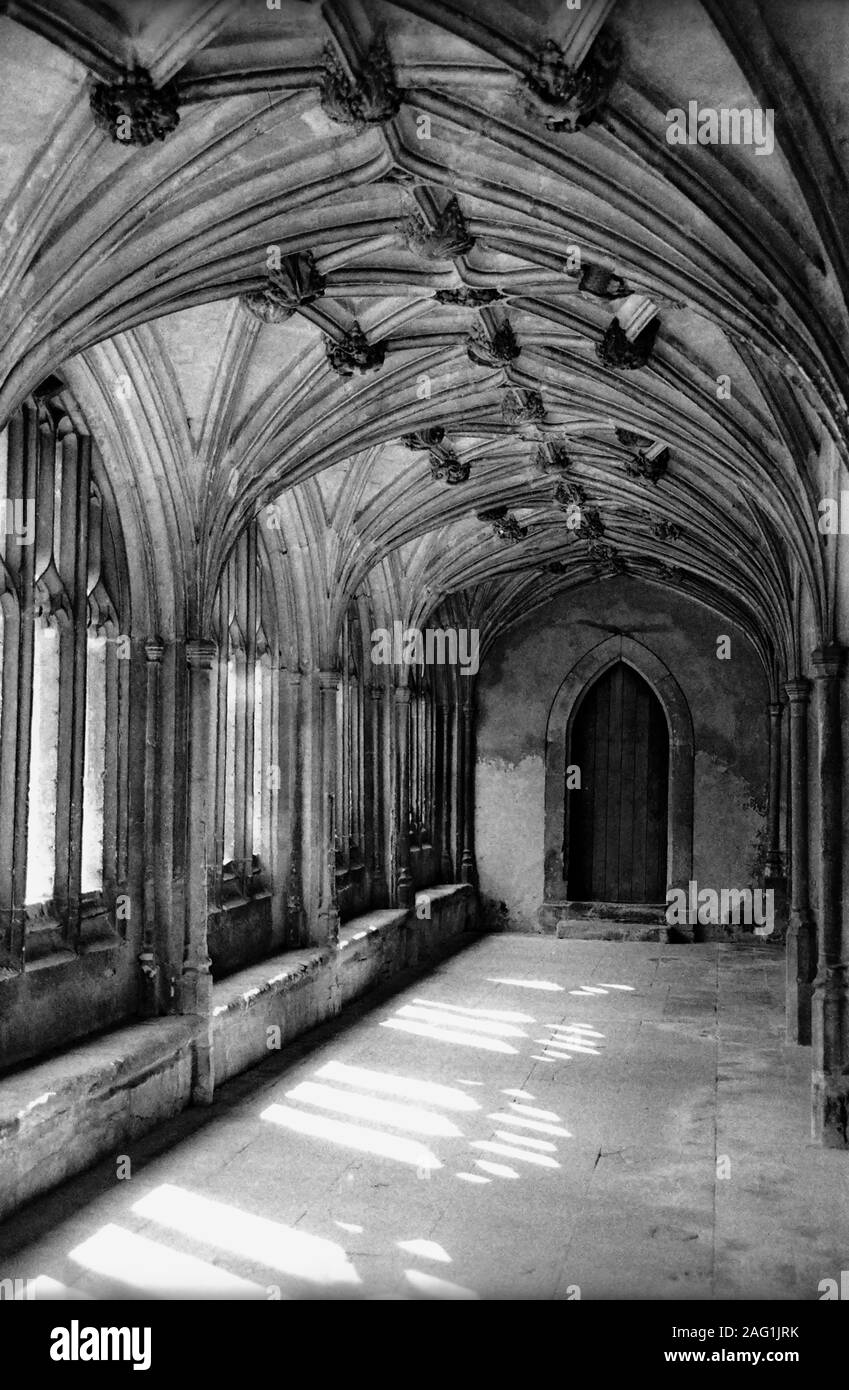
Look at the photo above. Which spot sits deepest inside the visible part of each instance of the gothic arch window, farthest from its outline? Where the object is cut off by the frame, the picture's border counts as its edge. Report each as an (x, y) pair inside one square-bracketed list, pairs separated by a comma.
[(422, 757), (245, 746), (353, 789), (64, 693)]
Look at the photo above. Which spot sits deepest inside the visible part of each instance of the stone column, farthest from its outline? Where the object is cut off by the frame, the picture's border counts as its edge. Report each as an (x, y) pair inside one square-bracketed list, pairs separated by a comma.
[(16, 715), (287, 830), (830, 1004), (148, 961), (468, 869), (67, 892), (458, 801), (774, 863), (196, 995), (403, 876), (328, 906), (801, 943), (446, 866), (374, 830)]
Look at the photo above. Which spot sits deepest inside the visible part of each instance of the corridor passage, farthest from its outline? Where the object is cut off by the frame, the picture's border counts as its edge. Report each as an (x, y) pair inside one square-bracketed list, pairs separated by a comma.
[(535, 1119)]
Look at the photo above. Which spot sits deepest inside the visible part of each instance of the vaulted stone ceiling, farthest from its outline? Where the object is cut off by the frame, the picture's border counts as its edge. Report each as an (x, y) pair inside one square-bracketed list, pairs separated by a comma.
[(442, 216)]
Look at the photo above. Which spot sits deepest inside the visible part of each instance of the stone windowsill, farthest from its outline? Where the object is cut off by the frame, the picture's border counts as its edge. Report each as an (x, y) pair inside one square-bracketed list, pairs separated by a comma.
[(360, 928), (287, 971), (274, 976), (233, 904), (36, 1092)]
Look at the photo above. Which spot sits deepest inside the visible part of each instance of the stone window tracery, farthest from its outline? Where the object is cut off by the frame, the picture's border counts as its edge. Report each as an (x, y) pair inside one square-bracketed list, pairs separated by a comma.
[(353, 795), (64, 692), (245, 766)]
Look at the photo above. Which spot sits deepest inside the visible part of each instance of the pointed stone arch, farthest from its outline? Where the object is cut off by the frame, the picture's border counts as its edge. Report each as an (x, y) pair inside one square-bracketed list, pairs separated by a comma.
[(681, 758)]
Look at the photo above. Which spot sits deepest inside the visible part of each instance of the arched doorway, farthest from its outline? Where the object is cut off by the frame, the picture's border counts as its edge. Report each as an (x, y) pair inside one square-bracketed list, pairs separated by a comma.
[(563, 715), (616, 819)]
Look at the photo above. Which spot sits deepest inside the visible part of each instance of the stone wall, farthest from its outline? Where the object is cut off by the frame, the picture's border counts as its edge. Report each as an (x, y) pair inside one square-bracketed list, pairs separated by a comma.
[(518, 682)]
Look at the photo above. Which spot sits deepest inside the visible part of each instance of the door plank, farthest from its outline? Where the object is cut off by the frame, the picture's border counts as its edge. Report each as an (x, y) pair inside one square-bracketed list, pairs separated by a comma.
[(617, 829), (630, 794), (601, 803)]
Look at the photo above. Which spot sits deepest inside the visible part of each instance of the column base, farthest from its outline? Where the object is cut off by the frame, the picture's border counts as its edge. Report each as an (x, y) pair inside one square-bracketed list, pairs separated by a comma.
[(830, 1076), (406, 889), (800, 957), (830, 1109), (196, 998), (778, 887), (149, 986), (379, 894), (203, 1078), (328, 925)]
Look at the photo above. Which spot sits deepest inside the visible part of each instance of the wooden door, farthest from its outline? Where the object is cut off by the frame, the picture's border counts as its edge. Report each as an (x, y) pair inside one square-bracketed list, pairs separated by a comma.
[(617, 819)]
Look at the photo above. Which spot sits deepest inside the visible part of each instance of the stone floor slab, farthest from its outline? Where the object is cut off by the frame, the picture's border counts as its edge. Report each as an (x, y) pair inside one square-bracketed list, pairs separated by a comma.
[(536, 1118)]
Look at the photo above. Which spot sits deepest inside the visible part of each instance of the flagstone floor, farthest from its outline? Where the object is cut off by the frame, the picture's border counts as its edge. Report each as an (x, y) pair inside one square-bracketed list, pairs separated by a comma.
[(535, 1119)]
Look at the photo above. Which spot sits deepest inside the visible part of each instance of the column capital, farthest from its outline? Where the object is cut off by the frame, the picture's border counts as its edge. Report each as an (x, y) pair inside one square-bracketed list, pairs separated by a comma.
[(201, 652), (287, 676), (798, 691), (774, 709), (328, 680), (828, 660), (154, 649), (402, 694)]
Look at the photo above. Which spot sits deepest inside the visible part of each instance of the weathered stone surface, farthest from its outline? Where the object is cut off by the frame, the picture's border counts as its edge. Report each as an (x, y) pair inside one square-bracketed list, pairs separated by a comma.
[(620, 352), (445, 240), (134, 112), (516, 694), (354, 353), (297, 990), (575, 97), (372, 98), (61, 1115), (678, 1160), (58, 1117)]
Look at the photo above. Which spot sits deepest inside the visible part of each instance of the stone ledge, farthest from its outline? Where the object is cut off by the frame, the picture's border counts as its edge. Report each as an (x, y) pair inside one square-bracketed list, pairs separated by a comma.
[(272, 976), (288, 993), (61, 1115), (260, 1009), (359, 928)]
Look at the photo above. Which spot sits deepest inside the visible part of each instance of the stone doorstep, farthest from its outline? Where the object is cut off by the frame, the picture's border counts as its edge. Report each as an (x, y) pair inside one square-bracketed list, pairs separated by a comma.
[(590, 921), (627, 914), (586, 929)]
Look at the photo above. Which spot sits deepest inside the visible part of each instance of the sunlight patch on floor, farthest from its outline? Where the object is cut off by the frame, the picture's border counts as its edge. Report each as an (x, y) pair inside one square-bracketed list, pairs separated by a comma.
[(152, 1270), (371, 1141), (394, 1113), (254, 1238)]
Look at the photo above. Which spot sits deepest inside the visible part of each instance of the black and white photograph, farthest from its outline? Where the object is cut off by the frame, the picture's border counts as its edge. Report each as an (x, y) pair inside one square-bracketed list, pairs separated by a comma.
[(424, 613)]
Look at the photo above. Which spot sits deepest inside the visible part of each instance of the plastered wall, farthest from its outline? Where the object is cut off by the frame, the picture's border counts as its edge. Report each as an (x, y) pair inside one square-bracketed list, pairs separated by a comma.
[(518, 681)]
